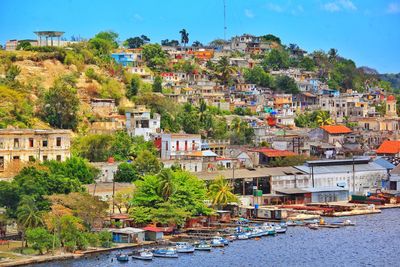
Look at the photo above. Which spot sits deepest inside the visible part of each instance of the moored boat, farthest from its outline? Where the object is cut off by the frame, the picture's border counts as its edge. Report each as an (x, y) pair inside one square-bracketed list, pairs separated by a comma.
[(122, 257), (242, 236), (203, 247), (165, 253), (313, 226), (143, 255), (184, 247), (279, 229), (222, 240)]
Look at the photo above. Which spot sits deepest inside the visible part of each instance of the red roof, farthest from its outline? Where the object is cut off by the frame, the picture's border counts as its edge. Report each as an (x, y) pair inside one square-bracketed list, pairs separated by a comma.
[(158, 229), (336, 129), (271, 153), (389, 147), (391, 98)]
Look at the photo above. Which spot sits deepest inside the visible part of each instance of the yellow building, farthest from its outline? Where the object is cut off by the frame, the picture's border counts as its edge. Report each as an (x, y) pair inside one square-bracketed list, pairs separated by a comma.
[(24, 145)]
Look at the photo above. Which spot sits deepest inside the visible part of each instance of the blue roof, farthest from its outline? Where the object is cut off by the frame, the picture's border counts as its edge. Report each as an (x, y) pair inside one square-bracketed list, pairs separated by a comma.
[(384, 163)]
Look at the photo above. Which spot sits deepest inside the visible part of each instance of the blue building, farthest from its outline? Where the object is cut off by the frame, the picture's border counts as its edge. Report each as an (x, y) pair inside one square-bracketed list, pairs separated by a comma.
[(126, 59)]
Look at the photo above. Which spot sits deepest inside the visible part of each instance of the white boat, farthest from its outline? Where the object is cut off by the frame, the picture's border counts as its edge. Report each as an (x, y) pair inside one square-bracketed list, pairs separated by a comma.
[(279, 229), (242, 236), (203, 247), (165, 253), (184, 247), (220, 239), (143, 255)]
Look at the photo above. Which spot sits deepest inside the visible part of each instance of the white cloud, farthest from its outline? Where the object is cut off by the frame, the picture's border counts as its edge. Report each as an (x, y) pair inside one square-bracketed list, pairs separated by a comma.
[(275, 7), (393, 8), (248, 13), (339, 5), (137, 17)]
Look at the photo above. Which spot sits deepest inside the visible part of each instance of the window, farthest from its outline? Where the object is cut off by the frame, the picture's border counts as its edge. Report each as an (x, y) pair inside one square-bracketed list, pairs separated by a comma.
[(1, 163), (45, 158), (186, 145), (31, 142), (58, 141), (16, 143), (16, 158), (58, 158), (44, 143), (177, 145), (1, 144), (193, 145), (166, 145), (31, 158)]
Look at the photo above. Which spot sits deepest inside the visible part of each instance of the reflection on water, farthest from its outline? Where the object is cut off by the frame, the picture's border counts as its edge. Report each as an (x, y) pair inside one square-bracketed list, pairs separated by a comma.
[(375, 241)]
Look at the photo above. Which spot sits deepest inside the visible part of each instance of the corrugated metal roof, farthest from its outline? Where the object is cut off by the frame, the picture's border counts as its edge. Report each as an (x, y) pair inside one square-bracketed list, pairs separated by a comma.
[(245, 173), (342, 168)]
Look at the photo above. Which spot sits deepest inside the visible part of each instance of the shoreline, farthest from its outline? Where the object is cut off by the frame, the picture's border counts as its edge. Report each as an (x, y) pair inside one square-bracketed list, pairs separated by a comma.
[(68, 256)]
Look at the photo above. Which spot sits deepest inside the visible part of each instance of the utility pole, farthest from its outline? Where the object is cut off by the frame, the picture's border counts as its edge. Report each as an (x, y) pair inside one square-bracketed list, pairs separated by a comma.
[(354, 178), (113, 202), (225, 20)]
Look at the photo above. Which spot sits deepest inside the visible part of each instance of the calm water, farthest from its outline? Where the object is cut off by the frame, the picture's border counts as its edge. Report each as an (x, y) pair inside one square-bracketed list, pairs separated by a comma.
[(374, 241)]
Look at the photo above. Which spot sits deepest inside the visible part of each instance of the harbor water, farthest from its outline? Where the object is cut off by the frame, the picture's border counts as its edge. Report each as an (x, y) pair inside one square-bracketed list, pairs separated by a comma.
[(374, 241)]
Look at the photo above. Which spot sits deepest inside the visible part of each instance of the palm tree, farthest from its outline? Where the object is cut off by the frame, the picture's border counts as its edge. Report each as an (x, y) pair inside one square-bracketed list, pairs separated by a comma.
[(220, 192), (323, 118), (225, 70), (166, 187), (332, 54), (28, 215), (184, 37)]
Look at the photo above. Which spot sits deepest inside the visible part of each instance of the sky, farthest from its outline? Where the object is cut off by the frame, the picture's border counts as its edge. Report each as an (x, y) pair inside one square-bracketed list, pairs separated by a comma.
[(367, 31)]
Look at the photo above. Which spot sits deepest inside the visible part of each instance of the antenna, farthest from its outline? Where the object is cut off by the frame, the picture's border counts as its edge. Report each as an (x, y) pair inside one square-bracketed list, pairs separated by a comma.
[(225, 20)]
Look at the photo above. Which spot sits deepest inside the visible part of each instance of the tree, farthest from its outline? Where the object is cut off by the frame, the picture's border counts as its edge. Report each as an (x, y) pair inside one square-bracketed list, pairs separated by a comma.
[(168, 42), (197, 44), (307, 64), (154, 56), (12, 72), (271, 38), (16, 108), (126, 173), (141, 215), (147, 163), (94, 147), (286, 84), (166, 188), (241, 132), (86, 207), (136, 42), (24, 45), (28, 215), (104, 42), (121, 146), (333, 54), (323, 118), (133, 87), (60, 105), (258, 76), (157, 84), (225, 70), (169, 214), (74, 168), (122, 200), (276, 59), (189, 119), (184, 37), (40, 239), (220, 192)]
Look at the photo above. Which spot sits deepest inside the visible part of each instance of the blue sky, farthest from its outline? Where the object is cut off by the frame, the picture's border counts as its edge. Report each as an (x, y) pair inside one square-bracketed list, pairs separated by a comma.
[(367, 31)]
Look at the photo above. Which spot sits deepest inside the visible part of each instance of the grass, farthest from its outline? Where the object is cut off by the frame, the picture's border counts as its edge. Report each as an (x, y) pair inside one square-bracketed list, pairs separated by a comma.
[(15, 247)]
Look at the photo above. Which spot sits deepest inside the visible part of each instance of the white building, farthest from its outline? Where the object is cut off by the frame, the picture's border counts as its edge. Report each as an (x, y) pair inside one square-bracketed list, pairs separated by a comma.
[(140, 123), (176, 146)]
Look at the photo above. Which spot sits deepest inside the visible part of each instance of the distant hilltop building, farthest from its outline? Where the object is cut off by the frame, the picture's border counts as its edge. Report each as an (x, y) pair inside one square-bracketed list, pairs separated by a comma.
[(44, 38)]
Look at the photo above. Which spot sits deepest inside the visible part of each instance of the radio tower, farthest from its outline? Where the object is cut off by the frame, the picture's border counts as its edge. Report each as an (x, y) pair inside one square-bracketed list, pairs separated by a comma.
[(225, 20)]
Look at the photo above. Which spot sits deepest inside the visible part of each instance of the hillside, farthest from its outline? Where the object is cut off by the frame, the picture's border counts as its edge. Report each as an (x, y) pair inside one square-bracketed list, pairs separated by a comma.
[(393, 79)]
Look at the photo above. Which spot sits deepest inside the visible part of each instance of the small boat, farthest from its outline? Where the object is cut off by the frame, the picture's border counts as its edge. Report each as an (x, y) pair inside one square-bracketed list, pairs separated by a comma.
[(165, 253), (279, 229), (344, 223), (231, 238), (143, 255), (257, 232), (268, 229), (242, 236), (203, 247), (222, 240), (122, 257), (216, 243), (313, 226), (184, 247)]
